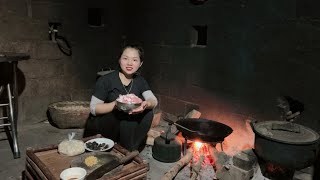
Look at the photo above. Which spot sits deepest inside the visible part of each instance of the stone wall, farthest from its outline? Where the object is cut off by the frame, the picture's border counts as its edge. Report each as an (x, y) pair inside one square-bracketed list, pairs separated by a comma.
[(255, 52), (49, 75)]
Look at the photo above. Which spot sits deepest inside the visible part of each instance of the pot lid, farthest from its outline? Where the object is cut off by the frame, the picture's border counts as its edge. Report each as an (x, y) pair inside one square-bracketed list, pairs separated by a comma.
[(286, 132)]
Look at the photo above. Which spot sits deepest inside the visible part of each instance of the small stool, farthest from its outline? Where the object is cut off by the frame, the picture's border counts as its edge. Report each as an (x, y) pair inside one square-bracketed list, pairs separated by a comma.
[(7, 119)]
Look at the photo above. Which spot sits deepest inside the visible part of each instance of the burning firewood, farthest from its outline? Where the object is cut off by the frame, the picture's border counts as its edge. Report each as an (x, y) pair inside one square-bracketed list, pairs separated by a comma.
[(196, 168), (176, 168)]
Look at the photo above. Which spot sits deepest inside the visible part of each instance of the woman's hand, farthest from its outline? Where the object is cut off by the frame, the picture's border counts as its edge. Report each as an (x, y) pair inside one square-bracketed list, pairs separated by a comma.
[(140, 109), (103, 108)]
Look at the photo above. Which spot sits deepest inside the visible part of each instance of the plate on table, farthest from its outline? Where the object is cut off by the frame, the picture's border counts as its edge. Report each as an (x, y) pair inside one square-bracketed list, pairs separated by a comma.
[(99, 144)]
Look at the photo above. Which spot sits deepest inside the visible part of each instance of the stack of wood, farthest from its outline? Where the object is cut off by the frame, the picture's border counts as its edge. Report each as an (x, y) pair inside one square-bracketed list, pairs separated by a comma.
[(193, 114), (152, 134), (173, 171), (156, 119), (155, 132), (176, 168)]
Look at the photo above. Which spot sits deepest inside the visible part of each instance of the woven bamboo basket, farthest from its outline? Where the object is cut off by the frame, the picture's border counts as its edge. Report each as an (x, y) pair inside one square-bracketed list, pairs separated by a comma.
[(69, 114)]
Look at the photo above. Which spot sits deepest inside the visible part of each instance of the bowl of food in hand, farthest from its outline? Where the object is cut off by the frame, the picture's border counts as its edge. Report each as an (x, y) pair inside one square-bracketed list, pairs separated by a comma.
[(128, 102)]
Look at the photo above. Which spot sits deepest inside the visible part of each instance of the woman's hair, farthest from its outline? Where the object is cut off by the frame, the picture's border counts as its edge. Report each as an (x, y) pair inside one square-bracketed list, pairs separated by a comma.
[(134, 46)]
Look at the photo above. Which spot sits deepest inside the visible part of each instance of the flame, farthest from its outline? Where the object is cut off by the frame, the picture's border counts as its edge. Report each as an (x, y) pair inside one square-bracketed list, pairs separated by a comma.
[(198, 145), (199, 149)]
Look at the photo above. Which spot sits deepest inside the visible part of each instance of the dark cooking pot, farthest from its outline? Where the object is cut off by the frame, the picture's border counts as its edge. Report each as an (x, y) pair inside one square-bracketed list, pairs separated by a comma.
[(208, 130), (286, 144)]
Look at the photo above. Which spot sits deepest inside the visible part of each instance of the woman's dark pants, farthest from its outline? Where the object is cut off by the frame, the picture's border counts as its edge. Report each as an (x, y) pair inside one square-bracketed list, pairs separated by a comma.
[(130, 131)]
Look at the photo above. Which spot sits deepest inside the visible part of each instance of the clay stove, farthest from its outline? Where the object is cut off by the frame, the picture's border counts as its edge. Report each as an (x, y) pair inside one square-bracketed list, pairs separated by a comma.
[(284, 147)]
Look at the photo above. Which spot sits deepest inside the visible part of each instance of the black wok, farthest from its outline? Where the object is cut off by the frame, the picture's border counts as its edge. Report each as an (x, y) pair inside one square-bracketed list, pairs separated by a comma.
[(208, 130)]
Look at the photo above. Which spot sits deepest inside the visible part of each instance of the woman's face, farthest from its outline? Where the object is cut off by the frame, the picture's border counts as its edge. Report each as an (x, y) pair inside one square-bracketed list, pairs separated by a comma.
[(130, 61)]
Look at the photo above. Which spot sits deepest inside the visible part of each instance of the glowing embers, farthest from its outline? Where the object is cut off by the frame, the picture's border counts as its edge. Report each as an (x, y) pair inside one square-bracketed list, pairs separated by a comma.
[(274, 171), (202, 163), (200, 148)]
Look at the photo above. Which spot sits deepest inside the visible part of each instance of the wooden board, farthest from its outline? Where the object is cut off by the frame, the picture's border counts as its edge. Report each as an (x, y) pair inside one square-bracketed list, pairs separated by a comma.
[(55, 162)]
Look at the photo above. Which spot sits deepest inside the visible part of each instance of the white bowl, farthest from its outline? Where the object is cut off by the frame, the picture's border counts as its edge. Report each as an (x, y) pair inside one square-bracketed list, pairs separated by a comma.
[(73, 174)]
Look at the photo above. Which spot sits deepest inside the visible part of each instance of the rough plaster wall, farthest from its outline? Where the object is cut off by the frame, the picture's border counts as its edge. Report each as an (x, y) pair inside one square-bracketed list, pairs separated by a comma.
[(256, 52), (49, 76)]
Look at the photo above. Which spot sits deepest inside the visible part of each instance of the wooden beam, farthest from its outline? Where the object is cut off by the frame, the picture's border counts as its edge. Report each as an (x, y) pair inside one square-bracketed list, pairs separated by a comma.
[(176, 168)]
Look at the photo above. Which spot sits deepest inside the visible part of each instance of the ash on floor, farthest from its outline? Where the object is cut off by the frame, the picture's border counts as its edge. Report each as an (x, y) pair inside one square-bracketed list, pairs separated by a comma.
[(158, 169)]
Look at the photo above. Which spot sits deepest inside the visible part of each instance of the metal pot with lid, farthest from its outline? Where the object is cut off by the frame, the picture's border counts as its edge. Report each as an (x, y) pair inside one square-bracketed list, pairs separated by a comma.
[(286, 144), (166, 148)]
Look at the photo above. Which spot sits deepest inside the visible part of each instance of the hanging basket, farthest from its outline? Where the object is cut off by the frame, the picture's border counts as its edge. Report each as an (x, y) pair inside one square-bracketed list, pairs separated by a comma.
[(69, 114)]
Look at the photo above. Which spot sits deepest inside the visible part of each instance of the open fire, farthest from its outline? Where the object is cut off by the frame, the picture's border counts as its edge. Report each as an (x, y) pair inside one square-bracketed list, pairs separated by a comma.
[(230, 156), (201, 162), (199, 148), (202, 149), (233, 155), (208, 152)]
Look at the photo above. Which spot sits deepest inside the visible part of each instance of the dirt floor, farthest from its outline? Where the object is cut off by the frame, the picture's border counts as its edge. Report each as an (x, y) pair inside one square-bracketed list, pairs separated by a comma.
[(44, 134), (36, 135)]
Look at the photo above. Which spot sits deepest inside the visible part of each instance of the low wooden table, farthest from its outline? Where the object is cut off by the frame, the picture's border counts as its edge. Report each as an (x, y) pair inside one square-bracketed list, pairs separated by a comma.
[(47, 163)]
